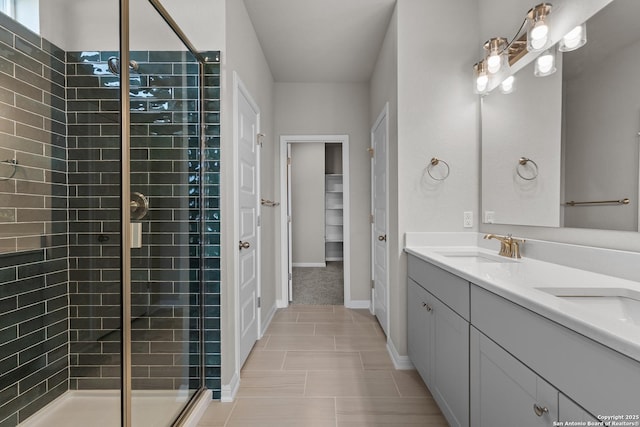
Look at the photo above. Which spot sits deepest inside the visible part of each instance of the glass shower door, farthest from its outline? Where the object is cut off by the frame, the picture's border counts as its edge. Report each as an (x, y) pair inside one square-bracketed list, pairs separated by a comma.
[(165, 220)]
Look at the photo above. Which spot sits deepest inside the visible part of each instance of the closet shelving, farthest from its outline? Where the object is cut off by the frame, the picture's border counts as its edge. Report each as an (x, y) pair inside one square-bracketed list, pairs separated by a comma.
[(334, 217)]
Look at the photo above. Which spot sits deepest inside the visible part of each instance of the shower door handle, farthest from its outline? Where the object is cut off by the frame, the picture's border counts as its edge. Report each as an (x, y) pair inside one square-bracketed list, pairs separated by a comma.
[(139, 205)]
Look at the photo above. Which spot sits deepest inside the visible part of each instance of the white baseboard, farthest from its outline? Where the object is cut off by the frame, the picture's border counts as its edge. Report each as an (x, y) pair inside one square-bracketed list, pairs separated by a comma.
[(280, 303), (266, 323), (198, 410), (229, 391), (309, 264), (399, 362), (365, 303)]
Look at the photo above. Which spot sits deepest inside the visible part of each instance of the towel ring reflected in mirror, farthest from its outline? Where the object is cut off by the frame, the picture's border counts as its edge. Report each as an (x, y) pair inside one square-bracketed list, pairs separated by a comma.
[(14, 164), (523, 161), (435, 162)]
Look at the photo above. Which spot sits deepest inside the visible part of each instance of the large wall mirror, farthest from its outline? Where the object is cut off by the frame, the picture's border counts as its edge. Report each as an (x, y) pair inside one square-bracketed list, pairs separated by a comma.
[(570, 137)]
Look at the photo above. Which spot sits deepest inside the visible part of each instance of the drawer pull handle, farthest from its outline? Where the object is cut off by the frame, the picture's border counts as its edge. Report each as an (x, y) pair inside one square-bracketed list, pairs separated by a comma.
[(424, 305), (540, 410), (429, 309)]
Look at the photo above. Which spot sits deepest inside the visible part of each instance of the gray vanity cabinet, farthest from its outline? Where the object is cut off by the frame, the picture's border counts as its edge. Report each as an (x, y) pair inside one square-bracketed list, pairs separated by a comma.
[(490, 362), (504, 392), (419, 328), (571, 411), (438, 342)]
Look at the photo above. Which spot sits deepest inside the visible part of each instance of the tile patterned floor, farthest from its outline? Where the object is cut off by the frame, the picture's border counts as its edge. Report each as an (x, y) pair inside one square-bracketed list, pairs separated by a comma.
[(325, 366)]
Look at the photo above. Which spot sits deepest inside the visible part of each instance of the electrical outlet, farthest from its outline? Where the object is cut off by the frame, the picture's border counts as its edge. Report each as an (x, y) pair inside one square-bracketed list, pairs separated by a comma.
[(468, 219), (489, 217)]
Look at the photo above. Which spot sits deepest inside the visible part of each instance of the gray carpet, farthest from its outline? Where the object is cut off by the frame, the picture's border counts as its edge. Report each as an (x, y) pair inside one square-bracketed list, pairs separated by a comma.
[(319, 286)]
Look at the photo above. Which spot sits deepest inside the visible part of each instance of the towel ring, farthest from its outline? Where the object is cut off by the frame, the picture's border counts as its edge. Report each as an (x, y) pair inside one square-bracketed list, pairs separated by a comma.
[(435, 162), (523, 161), (14, 163)]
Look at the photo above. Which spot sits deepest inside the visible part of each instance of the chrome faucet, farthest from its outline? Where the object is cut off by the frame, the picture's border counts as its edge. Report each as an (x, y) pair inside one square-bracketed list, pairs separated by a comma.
[(509, 247)]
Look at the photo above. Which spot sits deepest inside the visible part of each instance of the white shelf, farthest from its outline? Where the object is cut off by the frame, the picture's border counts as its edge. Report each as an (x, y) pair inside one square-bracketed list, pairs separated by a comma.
[(334, 217)]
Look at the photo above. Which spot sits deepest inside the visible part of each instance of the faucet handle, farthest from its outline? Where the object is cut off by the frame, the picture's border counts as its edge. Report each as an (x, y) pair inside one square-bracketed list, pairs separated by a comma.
[(515, 247)]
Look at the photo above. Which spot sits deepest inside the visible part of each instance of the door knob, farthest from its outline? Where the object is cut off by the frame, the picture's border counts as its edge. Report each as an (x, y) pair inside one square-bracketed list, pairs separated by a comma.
[(540, 410), (382, 238), (244, 245)]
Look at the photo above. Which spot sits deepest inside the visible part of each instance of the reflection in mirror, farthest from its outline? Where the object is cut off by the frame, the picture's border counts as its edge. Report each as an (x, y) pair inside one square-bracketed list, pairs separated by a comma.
[(602, 120), (588, 115), (523, 125)]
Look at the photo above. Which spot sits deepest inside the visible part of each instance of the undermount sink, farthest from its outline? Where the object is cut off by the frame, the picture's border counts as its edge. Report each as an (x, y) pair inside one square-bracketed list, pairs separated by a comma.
[(620, 304), (475, 256)]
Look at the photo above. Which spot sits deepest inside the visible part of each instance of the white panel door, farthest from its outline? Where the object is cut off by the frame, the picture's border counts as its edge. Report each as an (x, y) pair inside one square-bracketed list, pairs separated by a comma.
[(379, 195), (249, 210), (289, 226)]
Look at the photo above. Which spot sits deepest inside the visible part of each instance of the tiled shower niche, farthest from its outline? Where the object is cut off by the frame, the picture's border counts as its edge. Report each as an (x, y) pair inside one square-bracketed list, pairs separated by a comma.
[(59, 269)]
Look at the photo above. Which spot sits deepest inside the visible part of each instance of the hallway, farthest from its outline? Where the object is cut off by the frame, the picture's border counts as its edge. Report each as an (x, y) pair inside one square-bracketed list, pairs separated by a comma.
[(324, 366)]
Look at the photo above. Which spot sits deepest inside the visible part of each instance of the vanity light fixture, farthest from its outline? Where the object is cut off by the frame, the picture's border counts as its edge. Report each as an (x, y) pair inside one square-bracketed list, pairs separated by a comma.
[(574, 39), (480, 77), (496, 54), (545, 64), (507, 86), (538, 32)]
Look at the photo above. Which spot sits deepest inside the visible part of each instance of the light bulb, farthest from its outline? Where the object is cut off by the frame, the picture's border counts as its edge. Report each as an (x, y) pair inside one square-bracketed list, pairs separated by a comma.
[(539, 31), (481, 82), (493, 63), (506, 86), (545, 64), (574, 39), (538, 44)]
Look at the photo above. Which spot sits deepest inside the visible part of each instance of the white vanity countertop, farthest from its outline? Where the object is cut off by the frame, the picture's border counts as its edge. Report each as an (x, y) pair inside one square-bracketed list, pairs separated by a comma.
[(521, 281)]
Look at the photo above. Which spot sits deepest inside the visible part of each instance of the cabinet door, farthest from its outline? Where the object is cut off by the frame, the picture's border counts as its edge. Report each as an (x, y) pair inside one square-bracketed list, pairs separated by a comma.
[(419, 329), (568, 411), (504, 392), (450, 366)]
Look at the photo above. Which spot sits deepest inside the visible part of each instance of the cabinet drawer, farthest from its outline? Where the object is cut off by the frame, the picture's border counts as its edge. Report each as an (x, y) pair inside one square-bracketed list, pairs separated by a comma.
[(450, 289), (596, 377)]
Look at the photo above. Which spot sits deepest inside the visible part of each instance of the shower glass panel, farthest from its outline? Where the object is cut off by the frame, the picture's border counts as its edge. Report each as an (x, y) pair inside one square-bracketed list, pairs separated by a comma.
[(165, 257), (62, 185)]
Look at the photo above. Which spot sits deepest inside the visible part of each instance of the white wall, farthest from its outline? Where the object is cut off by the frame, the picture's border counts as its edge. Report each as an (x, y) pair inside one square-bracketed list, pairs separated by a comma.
[(570, 12), (94, 24), (243, 54), (335, 109), (602, 155), (525, 123), (437, 117), (384, 89), (307, 204)]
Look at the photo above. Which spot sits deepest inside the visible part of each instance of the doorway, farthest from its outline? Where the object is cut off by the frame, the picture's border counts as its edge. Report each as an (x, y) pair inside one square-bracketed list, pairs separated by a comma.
[(315, 222)]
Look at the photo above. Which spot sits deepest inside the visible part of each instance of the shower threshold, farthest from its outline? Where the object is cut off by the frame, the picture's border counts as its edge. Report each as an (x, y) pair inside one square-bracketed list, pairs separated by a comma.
[(81, 408)]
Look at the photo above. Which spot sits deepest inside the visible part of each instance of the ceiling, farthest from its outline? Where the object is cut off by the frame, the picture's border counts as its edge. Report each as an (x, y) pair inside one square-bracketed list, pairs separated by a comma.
[(321, 41)]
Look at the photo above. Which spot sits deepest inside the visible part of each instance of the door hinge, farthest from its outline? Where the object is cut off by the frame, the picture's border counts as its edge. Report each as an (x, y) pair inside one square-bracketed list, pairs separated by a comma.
[(260, 139), (373, 284), (259, 302), (288, 160), (290, 276), (370, 218), (259, 221), (289, 219), (371, 151)]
